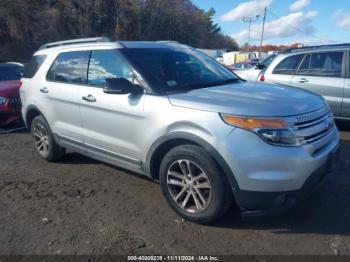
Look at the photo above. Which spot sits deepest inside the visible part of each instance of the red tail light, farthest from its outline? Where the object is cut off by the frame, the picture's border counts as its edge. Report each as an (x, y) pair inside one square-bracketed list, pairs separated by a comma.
[(262, 78), (20, 84)]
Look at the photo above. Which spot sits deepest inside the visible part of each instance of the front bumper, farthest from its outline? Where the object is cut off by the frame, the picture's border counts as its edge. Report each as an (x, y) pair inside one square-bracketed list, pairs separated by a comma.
[(9, 118), (269, 177), (272, 202), (10, 112)]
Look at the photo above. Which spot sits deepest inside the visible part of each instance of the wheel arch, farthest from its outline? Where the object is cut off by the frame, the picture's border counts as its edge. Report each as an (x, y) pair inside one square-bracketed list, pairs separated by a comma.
[(161, 146), (32, 112)]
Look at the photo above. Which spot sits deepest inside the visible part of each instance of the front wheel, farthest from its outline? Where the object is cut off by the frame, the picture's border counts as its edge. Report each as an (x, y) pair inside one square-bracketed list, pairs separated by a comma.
[(43, 140), (193, 184)]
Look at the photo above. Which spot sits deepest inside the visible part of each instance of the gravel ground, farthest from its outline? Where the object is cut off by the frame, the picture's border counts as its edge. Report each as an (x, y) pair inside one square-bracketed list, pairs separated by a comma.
[(82, 206)]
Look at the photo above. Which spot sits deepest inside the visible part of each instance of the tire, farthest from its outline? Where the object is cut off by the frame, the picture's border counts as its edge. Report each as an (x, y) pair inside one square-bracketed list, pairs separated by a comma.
[(215, 195), (47, 148)]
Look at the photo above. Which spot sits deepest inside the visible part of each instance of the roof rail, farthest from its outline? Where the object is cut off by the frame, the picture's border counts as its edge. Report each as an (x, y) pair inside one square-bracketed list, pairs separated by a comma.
[(290, 50), (168, 41), (76, 41)]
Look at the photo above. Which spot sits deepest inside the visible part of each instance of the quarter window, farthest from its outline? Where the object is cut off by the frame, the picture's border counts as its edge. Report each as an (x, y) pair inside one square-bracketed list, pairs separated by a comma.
[(70, 67), (106, 64), (33, 66), (288, 65), (322, 64)]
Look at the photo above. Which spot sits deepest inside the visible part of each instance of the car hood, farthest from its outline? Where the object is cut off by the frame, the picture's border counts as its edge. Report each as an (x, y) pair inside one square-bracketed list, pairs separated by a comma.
[(9, 88), (250, 99)]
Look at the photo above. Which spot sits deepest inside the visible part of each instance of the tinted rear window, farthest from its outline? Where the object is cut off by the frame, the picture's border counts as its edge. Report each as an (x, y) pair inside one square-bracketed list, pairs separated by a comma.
[(9, 73), (70, 67), (33, 66), (288, 65)]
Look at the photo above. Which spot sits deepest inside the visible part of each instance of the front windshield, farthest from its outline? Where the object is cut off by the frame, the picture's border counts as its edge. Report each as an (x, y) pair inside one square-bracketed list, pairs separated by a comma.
[(267, 61), (178, 68)]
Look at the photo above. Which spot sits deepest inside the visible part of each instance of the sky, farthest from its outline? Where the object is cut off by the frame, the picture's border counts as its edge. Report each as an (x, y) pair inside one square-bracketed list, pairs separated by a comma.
[(310, 22)]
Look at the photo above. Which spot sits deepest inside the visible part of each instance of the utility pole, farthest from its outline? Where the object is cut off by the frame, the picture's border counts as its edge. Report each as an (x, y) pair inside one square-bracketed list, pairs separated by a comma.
[(250, 19), (262, 31)]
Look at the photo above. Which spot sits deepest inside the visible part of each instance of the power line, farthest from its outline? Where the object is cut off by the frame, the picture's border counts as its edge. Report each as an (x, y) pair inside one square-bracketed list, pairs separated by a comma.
[(298, 29), (262, 31), (250, 19)]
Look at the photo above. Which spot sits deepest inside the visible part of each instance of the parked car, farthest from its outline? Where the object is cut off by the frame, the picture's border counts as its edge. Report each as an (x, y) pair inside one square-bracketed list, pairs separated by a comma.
[(251, 71), (167, 111), (242, 69), (243, 66), (321, 69), (254, 61), (10, 104)]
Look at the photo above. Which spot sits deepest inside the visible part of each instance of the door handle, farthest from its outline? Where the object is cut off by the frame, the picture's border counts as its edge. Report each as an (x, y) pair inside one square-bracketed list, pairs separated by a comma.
[(89, 98), (303, 80), (44, 90)]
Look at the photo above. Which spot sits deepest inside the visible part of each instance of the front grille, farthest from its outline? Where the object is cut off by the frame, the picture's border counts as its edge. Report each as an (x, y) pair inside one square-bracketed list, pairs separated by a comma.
[(14, 103), (312, 127)]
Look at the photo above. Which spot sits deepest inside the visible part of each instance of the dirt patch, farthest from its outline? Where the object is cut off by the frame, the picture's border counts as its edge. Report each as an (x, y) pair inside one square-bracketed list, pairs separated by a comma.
[(82, 206)]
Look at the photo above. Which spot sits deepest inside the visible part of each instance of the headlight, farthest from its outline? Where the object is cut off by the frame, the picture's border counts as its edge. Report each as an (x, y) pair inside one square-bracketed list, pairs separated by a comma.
[(272, 130), (278, 136), (2, 100)]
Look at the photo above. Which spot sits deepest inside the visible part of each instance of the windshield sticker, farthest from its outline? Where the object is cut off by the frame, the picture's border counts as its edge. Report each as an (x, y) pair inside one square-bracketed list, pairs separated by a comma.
[(171, 83)]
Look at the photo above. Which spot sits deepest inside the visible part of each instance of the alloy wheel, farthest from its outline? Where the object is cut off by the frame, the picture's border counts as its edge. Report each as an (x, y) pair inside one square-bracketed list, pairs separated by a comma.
[(41, 139), (189, 186)]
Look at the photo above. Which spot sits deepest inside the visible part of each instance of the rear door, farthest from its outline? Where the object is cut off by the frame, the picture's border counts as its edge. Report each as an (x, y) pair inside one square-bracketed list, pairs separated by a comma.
[(284, 71), (345, 110), (323, 73), (67, 73), (113, 123)]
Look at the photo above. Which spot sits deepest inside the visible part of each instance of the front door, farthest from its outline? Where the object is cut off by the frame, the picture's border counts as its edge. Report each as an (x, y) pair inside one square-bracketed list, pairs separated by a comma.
[(113, 124)]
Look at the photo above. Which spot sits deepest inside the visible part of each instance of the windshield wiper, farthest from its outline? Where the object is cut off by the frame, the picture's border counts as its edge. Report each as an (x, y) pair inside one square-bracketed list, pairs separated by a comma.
[(224, 82), (204, 85)]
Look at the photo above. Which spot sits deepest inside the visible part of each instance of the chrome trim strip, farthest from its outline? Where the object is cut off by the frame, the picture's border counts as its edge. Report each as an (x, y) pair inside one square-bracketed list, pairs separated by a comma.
[(319, 120), (308, 141), (312, 115), (100, 150), (113, 154)]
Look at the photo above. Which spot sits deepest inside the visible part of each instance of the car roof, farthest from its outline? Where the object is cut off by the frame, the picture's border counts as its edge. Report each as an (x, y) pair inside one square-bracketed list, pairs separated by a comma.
[(307, 49), (96, 42), (149, 44), (9, 66)]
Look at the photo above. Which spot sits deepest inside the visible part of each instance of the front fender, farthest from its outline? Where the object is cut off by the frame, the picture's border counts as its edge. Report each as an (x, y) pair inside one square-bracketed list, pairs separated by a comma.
[(196, 140)]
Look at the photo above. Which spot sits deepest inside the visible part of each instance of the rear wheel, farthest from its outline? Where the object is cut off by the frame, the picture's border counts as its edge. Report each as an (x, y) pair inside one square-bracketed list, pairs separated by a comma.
[(43, 140), (194, 185)]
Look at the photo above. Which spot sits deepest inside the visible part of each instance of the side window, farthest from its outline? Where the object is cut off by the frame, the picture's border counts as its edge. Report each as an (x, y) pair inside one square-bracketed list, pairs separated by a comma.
[(304, 68), (288, 65), (70, 67), (33, 66), (107, 64), (326, 64)]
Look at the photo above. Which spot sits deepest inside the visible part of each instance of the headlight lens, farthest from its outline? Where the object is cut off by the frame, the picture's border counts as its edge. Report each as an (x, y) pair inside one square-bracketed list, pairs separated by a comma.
[(271, 130), (2, 100), (278, 136)]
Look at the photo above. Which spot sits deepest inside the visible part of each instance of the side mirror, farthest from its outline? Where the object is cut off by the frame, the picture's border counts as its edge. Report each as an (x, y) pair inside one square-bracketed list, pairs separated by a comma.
[(121, 86)]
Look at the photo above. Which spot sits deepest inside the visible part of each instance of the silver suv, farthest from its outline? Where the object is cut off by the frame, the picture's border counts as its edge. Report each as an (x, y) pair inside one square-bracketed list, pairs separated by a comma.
[(167, 111), (321, 69)]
